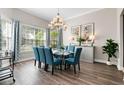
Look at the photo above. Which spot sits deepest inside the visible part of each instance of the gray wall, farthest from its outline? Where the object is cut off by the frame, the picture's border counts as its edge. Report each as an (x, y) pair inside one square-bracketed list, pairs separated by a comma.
[(24, 17), (105, 27)]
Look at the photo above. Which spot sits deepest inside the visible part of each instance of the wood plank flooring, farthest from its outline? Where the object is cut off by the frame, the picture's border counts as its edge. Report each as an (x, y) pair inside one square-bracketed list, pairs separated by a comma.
[(91, 74)]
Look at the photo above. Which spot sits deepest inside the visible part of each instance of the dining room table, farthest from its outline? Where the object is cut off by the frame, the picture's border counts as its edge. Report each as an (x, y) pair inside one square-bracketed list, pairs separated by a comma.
[(63, 54), (60, 53)]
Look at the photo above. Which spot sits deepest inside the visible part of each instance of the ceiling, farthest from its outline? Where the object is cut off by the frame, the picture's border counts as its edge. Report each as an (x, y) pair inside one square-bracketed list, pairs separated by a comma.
[(66, 13)]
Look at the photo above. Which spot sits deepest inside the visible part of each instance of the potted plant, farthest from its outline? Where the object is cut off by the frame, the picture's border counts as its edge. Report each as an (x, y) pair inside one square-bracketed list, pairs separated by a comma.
[(80, 40), (110, 49)]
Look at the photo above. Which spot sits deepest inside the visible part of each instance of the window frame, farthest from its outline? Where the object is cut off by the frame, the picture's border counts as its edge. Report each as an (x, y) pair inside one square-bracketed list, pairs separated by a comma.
[(7, 39), (34, 40)]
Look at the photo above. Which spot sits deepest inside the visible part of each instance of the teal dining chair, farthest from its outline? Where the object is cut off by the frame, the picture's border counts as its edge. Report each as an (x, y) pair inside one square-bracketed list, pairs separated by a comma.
[(50, 60), (37, 58), (74, 60), (66, 48), (71, 49), (42, 57)]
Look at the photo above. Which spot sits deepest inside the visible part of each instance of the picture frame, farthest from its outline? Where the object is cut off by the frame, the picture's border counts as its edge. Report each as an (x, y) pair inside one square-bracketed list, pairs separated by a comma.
[(87, 33), (75, 30)]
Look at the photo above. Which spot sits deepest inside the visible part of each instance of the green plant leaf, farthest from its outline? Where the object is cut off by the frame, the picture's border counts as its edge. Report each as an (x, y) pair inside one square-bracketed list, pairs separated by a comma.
[(110, 48)]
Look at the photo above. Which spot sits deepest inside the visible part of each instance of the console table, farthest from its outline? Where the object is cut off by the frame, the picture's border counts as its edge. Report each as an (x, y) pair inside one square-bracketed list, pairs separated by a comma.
[(87, 54), (7, 71)]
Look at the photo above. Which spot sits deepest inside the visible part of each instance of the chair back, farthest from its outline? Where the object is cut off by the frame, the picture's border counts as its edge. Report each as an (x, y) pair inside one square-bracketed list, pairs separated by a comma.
[(66, 48), (77, 55), (71, 48), (41, 54), (49, 55), (36, 54)]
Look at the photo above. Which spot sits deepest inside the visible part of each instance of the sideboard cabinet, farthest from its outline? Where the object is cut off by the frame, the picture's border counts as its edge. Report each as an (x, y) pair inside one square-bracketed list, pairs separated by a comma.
[(87, 54)]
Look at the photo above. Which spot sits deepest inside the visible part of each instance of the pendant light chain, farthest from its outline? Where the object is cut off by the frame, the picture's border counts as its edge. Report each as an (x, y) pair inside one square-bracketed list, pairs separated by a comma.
[(58, 12)]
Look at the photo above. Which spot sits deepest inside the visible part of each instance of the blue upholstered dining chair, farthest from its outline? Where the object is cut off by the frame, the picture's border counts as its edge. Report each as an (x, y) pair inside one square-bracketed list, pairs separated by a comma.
[(71, 48), (37, 58), (66, 48), (42, 57), (50, 60), (75, 60)]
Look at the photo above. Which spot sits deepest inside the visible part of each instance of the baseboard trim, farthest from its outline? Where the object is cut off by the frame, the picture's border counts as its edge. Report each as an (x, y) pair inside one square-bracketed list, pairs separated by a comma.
[(84, 60), (100, 61), (23, 60), (120, 68), (123, 69), (104, 61)]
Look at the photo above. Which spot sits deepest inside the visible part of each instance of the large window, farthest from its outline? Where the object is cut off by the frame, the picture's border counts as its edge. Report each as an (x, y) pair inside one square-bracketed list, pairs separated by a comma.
[(53, 38), (32, 36), (40, 37), (6, 35)]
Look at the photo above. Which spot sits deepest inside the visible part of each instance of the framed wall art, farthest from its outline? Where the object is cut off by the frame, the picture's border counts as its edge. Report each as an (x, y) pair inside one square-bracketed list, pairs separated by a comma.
[(87, 33), (75, 33), (75, 30)]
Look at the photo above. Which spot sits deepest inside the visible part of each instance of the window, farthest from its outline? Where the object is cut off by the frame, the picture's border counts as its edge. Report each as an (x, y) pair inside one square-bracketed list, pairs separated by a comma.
[(7, 34), (40, 37), (31, 36), (27, 38), (53, 38)]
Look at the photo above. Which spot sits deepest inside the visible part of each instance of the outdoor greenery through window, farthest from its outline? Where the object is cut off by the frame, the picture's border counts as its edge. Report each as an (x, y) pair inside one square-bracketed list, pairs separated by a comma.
[(32, 36), (6, 35), (54, 38)]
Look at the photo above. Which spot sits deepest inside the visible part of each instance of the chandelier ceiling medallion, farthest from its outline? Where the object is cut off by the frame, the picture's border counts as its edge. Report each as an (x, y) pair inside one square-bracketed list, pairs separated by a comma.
[(57, 22)]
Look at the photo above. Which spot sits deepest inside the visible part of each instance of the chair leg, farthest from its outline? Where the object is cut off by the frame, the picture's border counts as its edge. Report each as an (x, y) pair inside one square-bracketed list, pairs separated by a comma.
[(34, 62), (79, 66), (52, 69), (69, 66), (58, 67), (39, 65), (74, 69), (46, 67), (65, 66), (61, 67)]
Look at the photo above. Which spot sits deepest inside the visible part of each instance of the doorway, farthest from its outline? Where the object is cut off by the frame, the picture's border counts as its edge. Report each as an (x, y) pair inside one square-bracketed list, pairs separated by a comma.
[(123, 40)]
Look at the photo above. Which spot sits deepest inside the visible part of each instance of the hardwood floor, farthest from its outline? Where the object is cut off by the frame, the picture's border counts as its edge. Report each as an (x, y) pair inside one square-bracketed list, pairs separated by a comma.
[(28, 74)]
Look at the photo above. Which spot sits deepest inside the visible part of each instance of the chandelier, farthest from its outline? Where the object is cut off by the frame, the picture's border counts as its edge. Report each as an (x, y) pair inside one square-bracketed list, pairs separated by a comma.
[(57, 22)]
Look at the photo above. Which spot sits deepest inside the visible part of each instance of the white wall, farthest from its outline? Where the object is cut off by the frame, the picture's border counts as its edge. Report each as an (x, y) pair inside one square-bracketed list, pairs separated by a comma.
[(105, 27), (120, 32), (24, 17)]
